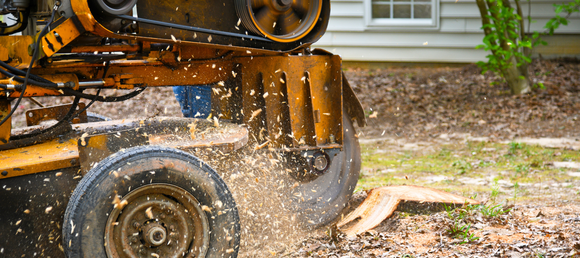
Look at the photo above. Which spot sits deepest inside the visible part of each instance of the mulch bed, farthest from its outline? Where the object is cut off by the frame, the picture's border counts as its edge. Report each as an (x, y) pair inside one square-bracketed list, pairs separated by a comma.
[(427, 102)]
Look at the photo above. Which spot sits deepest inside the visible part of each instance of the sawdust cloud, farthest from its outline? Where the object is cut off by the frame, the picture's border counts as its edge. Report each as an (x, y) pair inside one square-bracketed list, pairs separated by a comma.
[(261, 187)]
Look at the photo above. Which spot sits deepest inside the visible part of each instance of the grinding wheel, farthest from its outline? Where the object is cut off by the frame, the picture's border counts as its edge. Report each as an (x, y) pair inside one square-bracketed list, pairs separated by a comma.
[(279, 20)]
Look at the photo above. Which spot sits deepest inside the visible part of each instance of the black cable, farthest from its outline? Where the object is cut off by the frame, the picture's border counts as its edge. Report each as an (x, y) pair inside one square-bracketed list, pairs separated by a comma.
[(90, 104), (34, 56), (49, 84), (31, 81), (196, 29), (16, 71), (6, 86), (104, 99), (46, 83)]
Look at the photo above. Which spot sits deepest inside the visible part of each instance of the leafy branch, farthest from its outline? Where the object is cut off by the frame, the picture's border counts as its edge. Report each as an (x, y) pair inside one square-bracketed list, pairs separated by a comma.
[(508, 42)]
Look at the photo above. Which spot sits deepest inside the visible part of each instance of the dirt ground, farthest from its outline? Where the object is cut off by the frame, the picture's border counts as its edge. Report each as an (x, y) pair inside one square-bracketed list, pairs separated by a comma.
[(425, 109)]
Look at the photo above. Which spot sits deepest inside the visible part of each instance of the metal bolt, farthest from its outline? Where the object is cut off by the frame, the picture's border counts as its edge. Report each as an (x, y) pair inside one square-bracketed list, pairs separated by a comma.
[(320, 163), (172, 228), (136, 224), (332, 138)]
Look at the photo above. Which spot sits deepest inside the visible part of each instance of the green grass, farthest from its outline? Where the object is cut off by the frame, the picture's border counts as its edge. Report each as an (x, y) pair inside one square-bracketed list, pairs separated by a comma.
[(514, 162)]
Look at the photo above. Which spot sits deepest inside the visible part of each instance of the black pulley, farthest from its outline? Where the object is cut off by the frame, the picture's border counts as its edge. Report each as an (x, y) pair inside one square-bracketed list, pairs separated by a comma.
[(113, 7), (279, 20)]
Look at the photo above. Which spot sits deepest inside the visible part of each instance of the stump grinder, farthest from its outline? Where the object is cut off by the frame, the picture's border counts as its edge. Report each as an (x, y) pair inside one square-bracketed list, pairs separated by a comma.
[(78, 185)]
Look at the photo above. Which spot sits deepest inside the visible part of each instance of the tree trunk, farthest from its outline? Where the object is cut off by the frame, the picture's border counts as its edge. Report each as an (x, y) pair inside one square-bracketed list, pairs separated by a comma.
[(517, 80)]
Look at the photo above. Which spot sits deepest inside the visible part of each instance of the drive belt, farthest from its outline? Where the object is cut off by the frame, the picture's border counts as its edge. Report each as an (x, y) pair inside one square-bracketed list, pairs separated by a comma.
[(195, 29)]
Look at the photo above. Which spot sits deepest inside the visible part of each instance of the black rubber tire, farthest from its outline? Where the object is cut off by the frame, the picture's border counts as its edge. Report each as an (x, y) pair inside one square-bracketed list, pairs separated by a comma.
[(321, 200), (93, 117), (91, 202)]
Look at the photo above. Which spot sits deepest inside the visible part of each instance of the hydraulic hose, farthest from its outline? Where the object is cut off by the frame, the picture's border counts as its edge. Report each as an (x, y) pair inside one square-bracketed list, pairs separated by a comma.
[(104, 99), (39, 81), (31, 81), (15, 71)]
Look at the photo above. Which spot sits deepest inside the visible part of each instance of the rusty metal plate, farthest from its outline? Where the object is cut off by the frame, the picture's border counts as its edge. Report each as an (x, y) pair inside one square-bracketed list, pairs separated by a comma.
[(296, 99), (36, 116), (180, 133), (352, 104)]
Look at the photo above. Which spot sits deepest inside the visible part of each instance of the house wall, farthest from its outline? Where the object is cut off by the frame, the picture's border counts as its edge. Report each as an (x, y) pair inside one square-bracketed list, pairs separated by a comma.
[(452, 40)]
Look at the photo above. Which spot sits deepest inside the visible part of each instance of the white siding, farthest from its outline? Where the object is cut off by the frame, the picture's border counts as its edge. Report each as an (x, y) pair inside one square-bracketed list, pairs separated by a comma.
[(454, 40)]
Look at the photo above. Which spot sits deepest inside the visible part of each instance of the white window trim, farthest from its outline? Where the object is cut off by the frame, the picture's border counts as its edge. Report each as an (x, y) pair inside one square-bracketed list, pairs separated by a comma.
[(401, 24)]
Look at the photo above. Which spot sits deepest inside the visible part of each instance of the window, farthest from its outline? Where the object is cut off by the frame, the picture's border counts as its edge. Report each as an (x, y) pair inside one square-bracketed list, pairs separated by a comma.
[(402, 13)]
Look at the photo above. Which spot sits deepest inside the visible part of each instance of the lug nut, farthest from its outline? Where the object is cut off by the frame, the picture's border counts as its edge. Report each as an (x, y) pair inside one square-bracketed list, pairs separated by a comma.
[(136, 224)]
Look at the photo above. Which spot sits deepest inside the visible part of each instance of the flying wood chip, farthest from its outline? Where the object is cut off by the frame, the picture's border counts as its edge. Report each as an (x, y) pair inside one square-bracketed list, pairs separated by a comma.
[(383, 201)]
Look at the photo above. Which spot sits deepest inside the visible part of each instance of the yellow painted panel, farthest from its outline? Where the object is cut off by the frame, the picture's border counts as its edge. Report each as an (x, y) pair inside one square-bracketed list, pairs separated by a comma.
[(42, 157)]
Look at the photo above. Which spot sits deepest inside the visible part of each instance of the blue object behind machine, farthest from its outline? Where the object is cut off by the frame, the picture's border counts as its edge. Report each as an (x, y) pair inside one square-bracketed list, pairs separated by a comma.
[(195, 101)]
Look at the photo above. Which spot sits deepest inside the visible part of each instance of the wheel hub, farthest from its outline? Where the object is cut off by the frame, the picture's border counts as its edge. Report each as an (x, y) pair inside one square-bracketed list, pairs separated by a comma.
[(159, 219), (281, 5), (114, 2), (154, 234), (321, 163), (114, 7), (284, 2)]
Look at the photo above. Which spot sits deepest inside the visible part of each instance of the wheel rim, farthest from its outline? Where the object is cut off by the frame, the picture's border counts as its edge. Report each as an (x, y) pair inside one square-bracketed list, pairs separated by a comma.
[(320, 199), (279, 20), (157, 219)]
